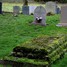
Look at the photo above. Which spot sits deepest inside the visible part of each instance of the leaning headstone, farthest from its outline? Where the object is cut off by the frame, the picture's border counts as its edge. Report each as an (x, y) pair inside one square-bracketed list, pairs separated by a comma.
[(0, 7), (31, 9), (16, 10), (25, 10), (51, 7), (63, 18), (40, 16)]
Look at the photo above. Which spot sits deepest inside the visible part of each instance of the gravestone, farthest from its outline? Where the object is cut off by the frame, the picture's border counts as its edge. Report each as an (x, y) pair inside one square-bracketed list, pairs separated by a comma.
[(58, 10), (63, 18), (16, 10), (0, 7), (51, 7), (40, 16), (31, 9), (25, 10)]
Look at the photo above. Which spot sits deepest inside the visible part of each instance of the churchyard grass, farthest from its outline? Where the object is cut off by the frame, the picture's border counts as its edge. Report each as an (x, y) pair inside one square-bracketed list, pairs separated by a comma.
[(16, 30), (1, 65), (62, 63)]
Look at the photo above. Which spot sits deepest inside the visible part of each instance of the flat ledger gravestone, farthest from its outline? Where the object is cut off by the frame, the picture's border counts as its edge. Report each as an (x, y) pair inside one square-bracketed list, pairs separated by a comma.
[(0, 7), (25, 10), (63, 18), (40, 16), (51, 7), (16, 10)]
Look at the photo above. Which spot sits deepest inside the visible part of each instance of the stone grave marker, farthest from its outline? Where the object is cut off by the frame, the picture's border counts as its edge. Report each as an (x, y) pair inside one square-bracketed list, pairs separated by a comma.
[(31, 9), (25, 10), (63, 18), (58, 10), (51, 7), (16, 10), (40, 16), (0, 7)]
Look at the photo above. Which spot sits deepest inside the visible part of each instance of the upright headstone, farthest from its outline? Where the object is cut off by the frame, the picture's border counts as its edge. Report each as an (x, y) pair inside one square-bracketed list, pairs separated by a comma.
[(25, 10), (63, 18), (31, 9), (0, 7), (40, 16), (58, 10), (16, 10), (51, 7)]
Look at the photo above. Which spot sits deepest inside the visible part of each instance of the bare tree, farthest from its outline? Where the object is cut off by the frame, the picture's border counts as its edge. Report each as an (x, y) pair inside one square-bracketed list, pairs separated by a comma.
[(25, 2)]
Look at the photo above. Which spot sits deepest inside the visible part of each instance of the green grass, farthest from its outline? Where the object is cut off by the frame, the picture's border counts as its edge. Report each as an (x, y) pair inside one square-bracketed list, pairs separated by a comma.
[(1, 65), (16, 30), (4, 65), (61, 63)]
